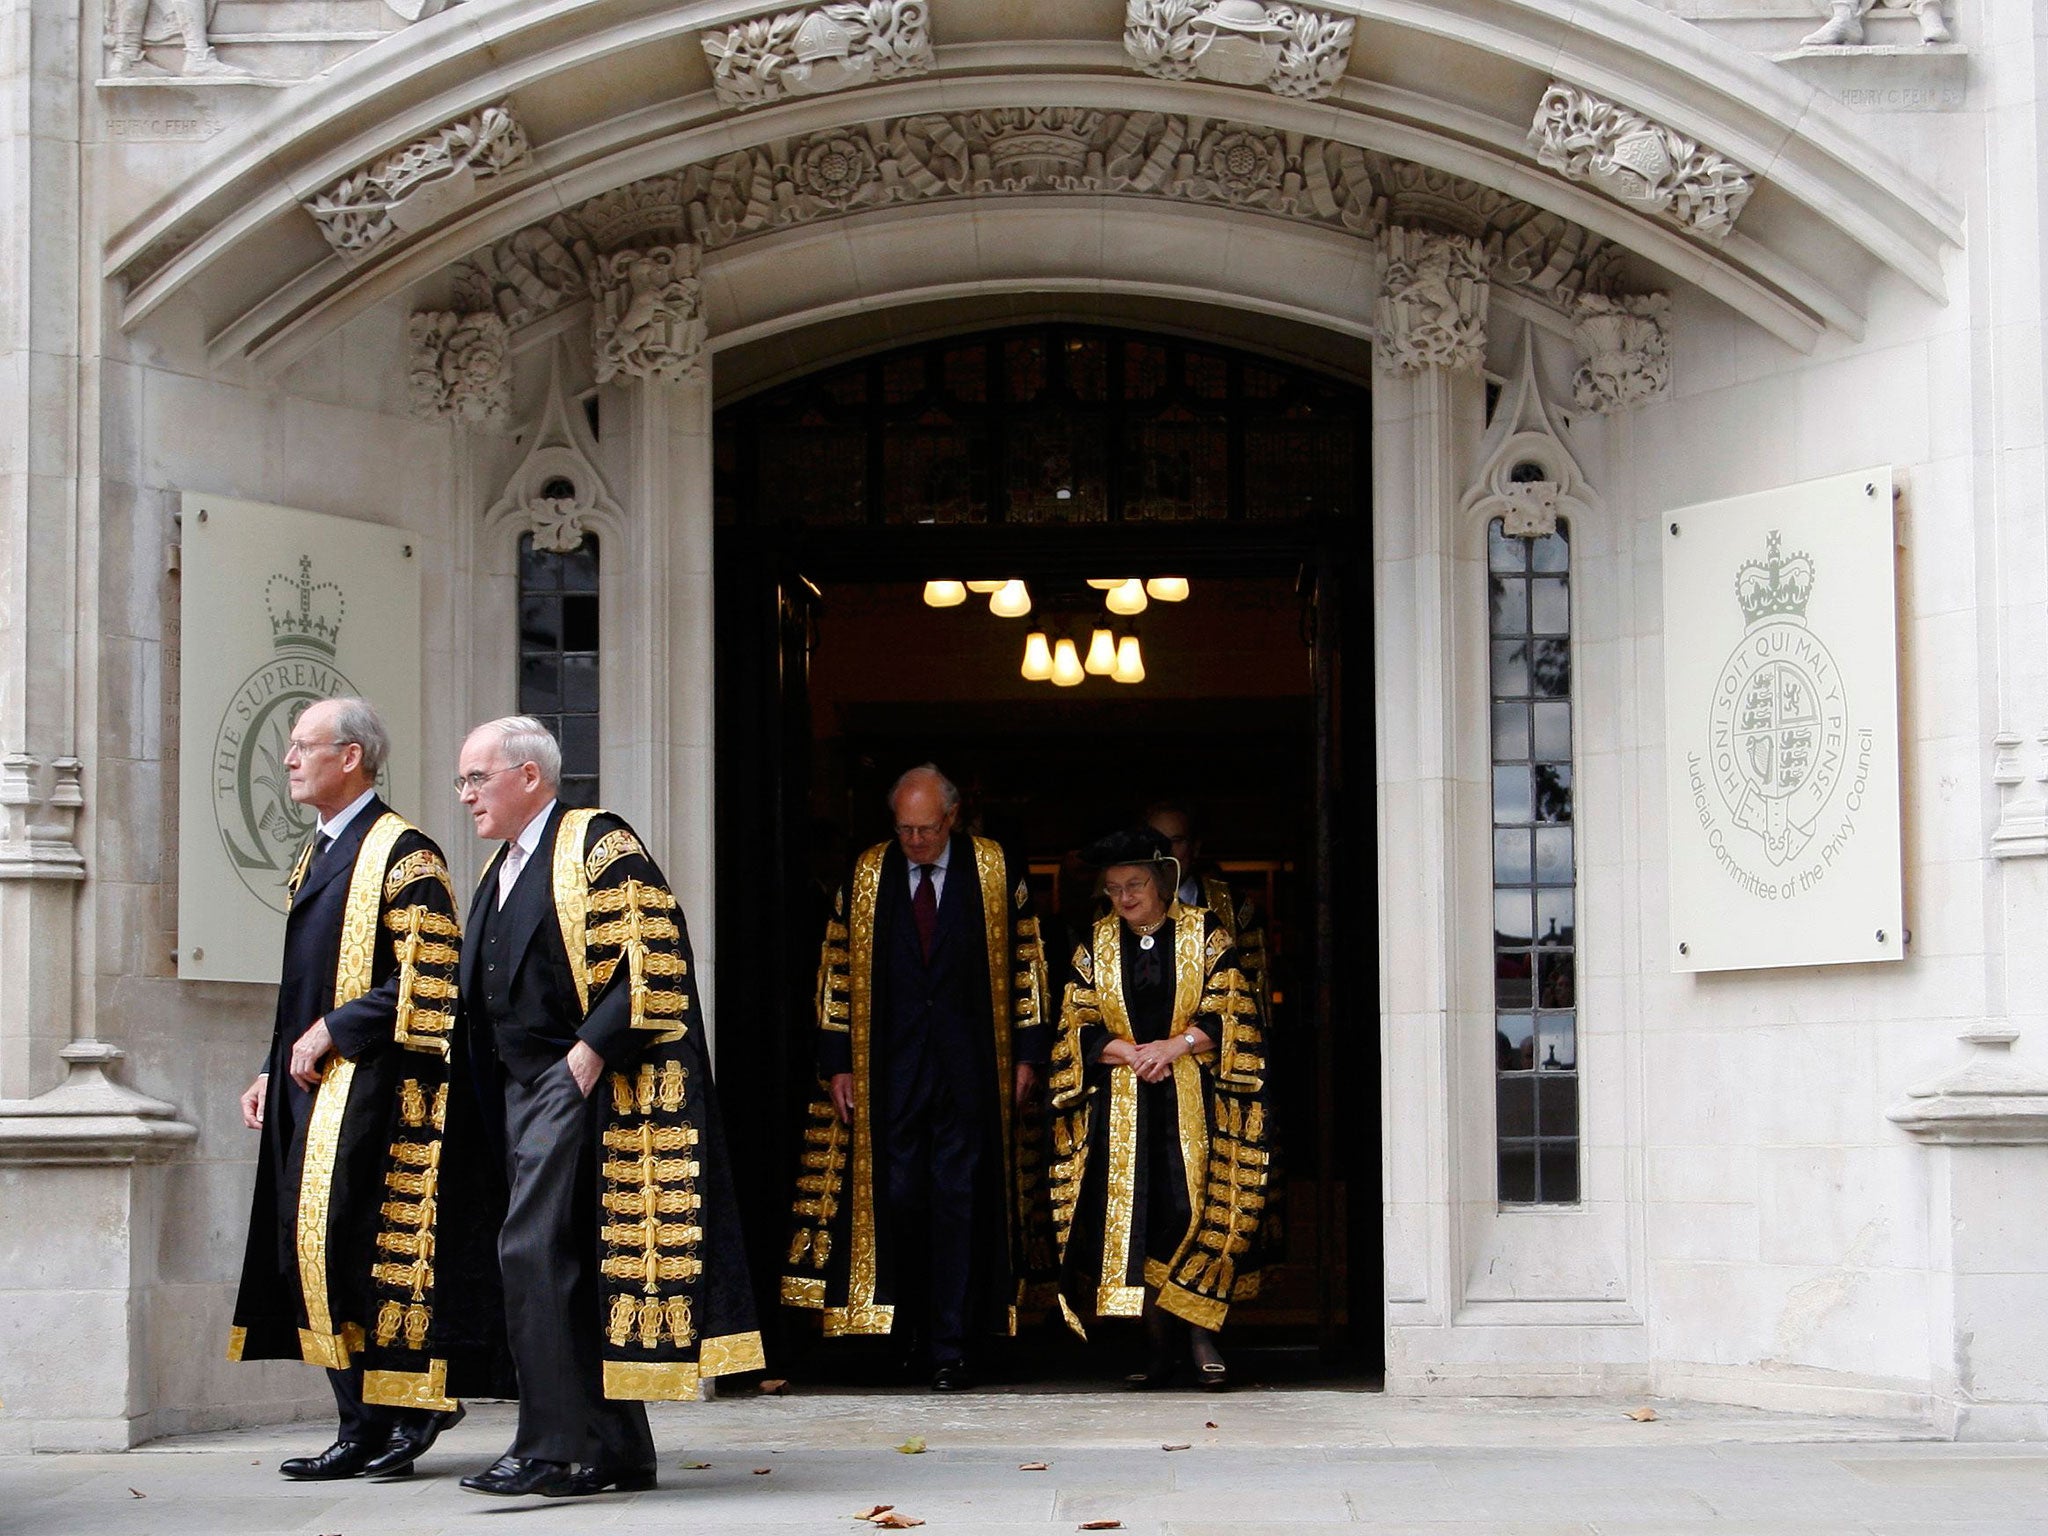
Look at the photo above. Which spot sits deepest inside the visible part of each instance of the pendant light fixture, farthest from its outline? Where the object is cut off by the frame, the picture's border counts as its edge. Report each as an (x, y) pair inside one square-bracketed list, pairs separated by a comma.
[(1163, 589), (1067, 671), (1037, 656), (944, 594), (1130, 662), (1126, 598), (1101, 652), (1105, 583), (1012, 600), (983, 588)]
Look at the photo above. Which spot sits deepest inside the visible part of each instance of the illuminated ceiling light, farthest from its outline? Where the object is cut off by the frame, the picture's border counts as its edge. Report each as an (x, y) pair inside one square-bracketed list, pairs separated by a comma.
[(1104, 583), (1066, 664), (1012, 600), (1037, 657), (984, 587), (1130, 662), (944, 594), (1101, 652), (1163, 589), (1129, 597)]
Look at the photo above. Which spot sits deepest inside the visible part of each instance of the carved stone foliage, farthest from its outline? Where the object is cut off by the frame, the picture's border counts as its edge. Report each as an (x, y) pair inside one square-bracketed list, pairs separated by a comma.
[(557, 492), (1021, 152), (461, 367), (1291, 50), (413, 187), (1626, 346), (649, 317), (1431, 309), (811, 53), (1587, 138)]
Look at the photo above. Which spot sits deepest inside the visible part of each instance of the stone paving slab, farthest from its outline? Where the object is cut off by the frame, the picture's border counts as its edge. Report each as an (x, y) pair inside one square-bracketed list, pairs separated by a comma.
[(1254, 1462)]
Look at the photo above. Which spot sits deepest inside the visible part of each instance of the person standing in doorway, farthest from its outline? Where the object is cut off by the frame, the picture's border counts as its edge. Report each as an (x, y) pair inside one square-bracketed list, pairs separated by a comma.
[(911, 1216), (625, 1274), (353, 1106)]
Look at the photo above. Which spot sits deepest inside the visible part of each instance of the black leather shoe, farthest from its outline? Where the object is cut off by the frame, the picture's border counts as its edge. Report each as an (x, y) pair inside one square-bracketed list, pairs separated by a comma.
[(951, 1376), (344, 1458), (407, 1446), (514, 1477), (585, 1481)]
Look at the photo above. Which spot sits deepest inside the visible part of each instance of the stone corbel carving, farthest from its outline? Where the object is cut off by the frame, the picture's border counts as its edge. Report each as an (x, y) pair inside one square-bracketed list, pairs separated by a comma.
[(811, 53), (1291, 50), (1587, 138), (1431, 309), (39, 806), (648, 321), (1844, 26), (557, 491), (461, 367), (2022, 831), (1626, 347), (414, 187), (1991, 1100)]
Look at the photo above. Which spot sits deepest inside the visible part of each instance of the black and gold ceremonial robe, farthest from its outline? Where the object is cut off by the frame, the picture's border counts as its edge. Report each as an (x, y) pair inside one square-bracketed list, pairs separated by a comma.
[(676, 1303), (1246, 924), (838, 1262), (1159, 1186), (355, 1185)]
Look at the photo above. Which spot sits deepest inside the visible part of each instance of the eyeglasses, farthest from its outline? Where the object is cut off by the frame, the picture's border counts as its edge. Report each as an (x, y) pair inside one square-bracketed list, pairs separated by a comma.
[(301, 748), (1123, 888), (469, 783), (932, 829)]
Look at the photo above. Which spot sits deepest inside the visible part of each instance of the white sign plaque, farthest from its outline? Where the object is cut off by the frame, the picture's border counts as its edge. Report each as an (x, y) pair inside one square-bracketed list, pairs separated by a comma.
[(1782, 724), (278, 608)]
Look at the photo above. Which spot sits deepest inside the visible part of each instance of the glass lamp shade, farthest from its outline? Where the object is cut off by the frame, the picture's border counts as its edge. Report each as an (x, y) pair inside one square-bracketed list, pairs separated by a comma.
[(1105, 583), (1130, 662), (1163, 589), (944, 594), (1012, 600), (983, 588), (1037, 657), (1101, 653), (1066, 664), (1127, 597)]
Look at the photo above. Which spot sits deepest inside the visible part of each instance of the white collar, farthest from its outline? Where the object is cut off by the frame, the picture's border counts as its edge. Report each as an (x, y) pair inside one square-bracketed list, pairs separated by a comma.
[(333, 829), (529, 839)]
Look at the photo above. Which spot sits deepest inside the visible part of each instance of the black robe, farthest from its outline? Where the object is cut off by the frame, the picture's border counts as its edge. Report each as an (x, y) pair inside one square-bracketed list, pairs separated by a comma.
[(838, 1261), (369, 1232)]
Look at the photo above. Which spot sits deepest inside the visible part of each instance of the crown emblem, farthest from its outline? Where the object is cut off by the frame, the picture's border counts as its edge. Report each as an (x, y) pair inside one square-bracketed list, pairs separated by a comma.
[(1778, 584), (302, 615)]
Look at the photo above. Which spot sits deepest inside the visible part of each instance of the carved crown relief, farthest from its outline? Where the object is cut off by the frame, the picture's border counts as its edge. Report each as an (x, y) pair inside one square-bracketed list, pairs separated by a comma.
[(1587, 138), (1431, 308), (413, 187), (1290, 50), (811, 53), (1626, 346)]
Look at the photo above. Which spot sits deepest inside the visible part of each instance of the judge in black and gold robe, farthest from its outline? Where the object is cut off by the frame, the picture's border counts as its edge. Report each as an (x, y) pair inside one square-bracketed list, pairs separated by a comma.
[(353, 1192), (625, 1276), (919, 1208), (1160, 1104)]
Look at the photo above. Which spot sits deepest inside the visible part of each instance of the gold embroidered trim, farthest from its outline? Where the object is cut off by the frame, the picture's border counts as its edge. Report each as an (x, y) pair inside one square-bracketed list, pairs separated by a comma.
[(572, 898), (612, 847), (731, 1353), (860, 1314), (995, 916), (1112, 1294), (420, 864), (238, 1340), (649, 1381), (797, 1291), (842, 1321), (410, 1389)]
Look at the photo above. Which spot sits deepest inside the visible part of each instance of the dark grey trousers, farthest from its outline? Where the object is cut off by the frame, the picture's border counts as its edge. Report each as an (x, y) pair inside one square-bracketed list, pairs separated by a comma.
[(548, 1252)]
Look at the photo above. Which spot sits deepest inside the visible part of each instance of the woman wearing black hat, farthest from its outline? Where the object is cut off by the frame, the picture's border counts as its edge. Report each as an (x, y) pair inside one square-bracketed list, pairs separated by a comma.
[(1159, 1093)]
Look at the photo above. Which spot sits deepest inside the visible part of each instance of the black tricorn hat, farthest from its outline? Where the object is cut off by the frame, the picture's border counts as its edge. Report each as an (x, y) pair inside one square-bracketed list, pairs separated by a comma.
[(1131, 845)]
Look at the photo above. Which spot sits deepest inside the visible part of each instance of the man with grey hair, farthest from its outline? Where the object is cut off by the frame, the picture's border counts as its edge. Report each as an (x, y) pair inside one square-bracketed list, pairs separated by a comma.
[(913, 1215), (625, 1277), (352, 1104)]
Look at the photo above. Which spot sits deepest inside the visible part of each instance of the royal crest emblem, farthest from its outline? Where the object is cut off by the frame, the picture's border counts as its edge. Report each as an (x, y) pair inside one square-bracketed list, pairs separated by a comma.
[(1778, 729)]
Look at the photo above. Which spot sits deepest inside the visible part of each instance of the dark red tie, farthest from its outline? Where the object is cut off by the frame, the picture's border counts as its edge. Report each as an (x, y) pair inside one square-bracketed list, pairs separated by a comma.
[(924, 906)]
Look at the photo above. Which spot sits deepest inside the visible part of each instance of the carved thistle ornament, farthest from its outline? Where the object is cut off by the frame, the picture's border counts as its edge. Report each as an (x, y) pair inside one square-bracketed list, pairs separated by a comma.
[(1586, 138), (814, 52), (1626, 347), (648, 321), (1290, 50), (418, 185), (461, 367), (1431, 309)]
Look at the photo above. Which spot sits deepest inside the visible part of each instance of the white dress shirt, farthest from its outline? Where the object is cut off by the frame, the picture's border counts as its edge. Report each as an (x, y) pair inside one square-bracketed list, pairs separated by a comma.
[(938, 874), (332, 830), (528, 840)]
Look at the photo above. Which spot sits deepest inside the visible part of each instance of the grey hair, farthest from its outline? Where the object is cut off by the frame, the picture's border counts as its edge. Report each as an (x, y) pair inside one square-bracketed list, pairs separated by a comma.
[(357, 722), (949, 792), (524, 739)]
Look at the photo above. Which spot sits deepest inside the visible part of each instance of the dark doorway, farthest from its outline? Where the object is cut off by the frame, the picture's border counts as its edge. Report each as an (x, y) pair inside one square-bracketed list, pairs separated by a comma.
[(1052, 455)]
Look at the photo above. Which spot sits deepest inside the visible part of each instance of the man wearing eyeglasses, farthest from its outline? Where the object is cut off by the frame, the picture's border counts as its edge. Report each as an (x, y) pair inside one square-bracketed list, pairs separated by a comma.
[(914, 1208), (625, 1279), (357, 1162)]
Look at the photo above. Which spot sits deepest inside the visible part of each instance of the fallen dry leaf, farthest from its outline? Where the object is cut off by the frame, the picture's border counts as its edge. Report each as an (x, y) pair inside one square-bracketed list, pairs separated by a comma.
[(1642, 1415), (762, 1471), (1034, 1466), (1100, 1525), (693, 1466), (873, 1510), (914, 1446), (1208, 1423), (1176, 1447), (895, 1520), (774, 1387), (138, 1493)]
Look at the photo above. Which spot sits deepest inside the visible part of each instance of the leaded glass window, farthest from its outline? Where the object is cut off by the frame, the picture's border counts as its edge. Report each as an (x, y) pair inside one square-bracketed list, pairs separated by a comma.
[(558, 653), (1535, 929)]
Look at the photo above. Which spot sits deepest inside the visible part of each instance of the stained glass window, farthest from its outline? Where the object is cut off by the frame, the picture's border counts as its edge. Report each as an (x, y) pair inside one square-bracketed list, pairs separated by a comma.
[(1535, 932), (558, 650)]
